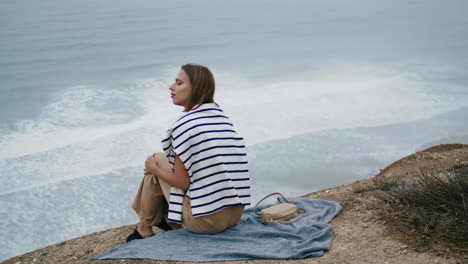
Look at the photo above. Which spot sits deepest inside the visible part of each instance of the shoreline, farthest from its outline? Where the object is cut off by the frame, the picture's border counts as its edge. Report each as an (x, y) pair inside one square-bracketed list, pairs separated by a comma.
[(321, 160), (359, 236)]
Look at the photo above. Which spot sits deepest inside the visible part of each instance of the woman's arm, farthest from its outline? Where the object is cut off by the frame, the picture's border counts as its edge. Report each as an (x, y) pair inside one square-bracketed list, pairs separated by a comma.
[(179, 178)]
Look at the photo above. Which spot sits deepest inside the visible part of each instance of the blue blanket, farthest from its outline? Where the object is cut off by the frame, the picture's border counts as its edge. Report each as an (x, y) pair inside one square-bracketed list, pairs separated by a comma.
[(249, 239)]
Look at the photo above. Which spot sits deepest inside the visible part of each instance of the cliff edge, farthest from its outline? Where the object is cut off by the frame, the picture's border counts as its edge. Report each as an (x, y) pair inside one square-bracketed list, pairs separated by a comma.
[(360, 233)]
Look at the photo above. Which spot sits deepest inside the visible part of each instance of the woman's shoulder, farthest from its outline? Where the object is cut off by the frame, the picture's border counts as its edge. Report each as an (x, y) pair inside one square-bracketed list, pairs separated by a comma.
[(207, 121), (200, 114)]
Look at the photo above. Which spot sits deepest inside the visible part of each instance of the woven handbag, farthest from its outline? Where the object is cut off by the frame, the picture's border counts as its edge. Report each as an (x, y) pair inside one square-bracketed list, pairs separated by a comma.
[(281, 213)]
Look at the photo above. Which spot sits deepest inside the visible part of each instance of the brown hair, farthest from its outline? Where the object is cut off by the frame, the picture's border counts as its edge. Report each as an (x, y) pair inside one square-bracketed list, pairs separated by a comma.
[(203, 85)]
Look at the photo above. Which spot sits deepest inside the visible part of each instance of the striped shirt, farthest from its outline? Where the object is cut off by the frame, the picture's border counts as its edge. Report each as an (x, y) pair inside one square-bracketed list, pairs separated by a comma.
[(214, 155)]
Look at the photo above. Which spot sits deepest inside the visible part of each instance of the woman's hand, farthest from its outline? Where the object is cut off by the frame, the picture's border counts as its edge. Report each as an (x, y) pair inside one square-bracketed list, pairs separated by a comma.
[(178, 177), (151, 165)]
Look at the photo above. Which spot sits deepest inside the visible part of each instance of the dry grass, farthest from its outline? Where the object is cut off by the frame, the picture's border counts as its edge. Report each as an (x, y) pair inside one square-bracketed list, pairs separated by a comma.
[(431, 212)]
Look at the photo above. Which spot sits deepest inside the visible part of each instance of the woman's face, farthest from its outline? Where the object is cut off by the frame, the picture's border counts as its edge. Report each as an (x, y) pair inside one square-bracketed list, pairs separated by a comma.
[(181, 89)]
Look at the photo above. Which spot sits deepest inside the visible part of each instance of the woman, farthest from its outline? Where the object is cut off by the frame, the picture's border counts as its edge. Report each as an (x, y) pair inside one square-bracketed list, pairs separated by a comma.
[(201, 180)]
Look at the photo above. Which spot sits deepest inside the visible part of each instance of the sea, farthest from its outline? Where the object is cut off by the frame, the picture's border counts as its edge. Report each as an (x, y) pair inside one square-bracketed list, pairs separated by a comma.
[(325, 93)]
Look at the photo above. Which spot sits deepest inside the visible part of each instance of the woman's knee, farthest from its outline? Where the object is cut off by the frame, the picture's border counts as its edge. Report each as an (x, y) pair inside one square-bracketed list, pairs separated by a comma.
[(160, 156), (162, 160)]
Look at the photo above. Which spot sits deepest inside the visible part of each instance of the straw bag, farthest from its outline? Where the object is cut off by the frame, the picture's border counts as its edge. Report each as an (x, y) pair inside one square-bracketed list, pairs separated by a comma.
[(280, 213)]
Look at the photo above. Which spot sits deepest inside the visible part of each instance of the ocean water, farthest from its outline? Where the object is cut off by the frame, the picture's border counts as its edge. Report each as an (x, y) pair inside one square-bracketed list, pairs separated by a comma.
[(324, 92)]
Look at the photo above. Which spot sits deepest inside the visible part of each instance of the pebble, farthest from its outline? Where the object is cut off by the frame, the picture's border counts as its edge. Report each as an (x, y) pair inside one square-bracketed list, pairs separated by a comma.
[(327, 191), (18, 262), (365, 226)]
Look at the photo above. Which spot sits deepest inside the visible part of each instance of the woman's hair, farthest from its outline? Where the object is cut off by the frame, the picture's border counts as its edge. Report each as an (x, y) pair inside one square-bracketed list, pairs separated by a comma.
[(203, 85)]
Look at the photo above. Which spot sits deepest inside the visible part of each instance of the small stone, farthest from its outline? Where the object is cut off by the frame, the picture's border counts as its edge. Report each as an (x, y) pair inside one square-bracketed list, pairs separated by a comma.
[(34, 260), (365, 226), (404, 247), (18, 262), (327, 191)]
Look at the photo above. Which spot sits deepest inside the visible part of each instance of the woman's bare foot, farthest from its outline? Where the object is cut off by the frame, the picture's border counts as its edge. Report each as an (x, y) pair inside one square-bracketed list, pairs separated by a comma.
[(144, 230)]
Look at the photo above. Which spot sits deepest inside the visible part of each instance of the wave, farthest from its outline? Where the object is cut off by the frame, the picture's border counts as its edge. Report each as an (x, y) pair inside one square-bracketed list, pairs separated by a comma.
[(293, 166), (90, 130)]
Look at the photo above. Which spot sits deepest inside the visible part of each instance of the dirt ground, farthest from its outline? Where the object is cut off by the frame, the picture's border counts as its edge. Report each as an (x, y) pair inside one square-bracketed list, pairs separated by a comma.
[(360, 236)]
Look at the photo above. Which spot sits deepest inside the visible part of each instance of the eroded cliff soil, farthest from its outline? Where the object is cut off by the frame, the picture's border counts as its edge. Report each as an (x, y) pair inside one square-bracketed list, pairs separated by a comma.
[(360, 235)]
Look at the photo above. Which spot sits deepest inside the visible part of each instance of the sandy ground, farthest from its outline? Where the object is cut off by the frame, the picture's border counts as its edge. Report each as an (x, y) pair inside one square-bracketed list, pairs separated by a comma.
[(359, 234)]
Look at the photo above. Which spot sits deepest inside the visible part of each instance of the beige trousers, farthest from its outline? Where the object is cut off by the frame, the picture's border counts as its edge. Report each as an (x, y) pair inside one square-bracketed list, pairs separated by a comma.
[(151, 203)]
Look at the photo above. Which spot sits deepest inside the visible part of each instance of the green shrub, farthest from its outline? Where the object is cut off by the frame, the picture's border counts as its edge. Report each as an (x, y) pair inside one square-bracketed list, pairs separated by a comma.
[(433, 206)]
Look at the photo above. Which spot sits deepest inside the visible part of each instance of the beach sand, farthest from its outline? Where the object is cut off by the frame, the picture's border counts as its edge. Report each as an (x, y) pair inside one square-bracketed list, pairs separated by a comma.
[(360, 235)]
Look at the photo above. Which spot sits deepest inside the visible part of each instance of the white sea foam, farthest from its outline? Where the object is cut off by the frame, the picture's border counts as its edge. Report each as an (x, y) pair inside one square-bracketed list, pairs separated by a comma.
[(86, 131), (75, 166), (73, 119), (329, 99), (73, 139)]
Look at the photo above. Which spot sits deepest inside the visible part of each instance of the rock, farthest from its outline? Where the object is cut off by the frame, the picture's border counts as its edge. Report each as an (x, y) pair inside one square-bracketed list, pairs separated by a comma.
[(327, 191)]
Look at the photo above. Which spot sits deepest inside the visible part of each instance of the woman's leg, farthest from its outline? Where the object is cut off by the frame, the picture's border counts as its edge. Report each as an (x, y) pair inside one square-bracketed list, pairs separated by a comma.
[(213, 223), (150, 204), (162, 160), (152, 199)]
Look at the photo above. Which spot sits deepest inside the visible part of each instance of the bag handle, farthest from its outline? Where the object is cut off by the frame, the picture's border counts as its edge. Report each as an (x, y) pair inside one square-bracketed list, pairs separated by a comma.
[(271, 194)]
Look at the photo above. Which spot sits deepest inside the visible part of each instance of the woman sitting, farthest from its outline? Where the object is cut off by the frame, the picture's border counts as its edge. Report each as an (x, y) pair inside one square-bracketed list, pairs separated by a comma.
[(201, 180)]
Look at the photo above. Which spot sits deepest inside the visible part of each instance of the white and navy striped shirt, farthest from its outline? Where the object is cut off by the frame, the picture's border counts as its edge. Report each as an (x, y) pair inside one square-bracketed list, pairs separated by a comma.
[(214, 155)]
